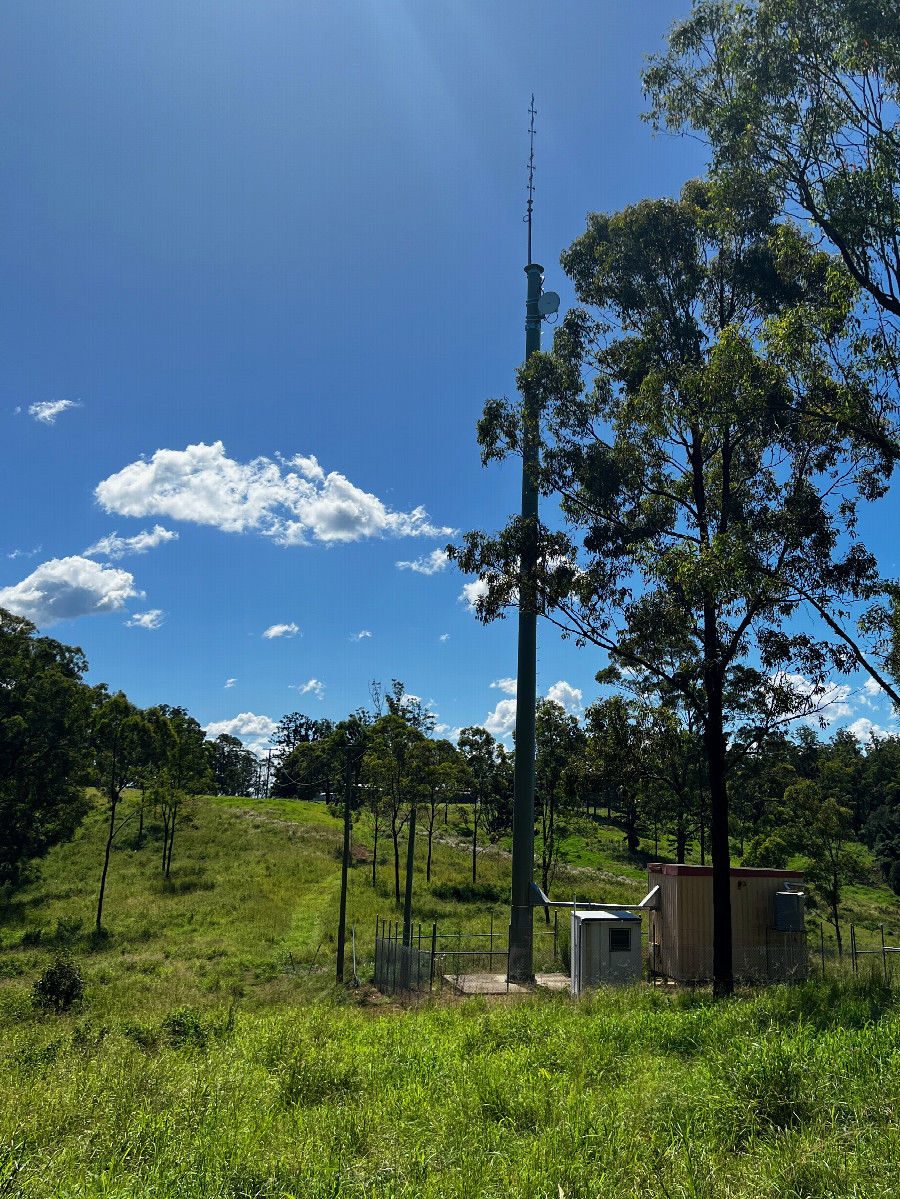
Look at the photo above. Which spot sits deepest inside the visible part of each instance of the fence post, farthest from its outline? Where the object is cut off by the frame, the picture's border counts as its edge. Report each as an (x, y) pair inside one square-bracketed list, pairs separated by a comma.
[(822, 943), (883, 955), (433, 952), (491, 947), (853, 948), (555, 933)]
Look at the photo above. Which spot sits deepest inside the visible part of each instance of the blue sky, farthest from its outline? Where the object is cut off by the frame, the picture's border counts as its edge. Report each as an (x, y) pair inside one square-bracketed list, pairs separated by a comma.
[(262, 266)]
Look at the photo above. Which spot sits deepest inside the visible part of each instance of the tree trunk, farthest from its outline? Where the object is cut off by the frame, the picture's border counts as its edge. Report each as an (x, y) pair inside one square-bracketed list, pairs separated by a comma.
[(430, 836), (474, 840), (714, 736), (113, 804), (680, 839), (171, 843), (631, 834), (395, 834)]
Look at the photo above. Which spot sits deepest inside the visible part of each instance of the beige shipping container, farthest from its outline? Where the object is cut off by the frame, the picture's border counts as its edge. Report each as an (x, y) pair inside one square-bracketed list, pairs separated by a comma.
[(680, 927)]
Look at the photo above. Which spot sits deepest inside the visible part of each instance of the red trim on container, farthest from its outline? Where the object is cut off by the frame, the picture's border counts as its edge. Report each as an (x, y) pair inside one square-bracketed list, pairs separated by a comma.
[(677, 868)]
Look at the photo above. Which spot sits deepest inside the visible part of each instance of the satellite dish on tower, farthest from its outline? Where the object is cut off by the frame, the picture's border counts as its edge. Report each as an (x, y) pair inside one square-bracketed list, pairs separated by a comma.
[(548, 304)]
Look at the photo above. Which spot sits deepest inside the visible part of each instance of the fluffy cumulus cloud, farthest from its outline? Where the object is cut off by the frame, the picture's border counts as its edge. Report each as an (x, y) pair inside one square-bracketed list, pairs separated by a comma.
[(146, 620), (48, 410), (292, 501), (229, 683), (428, 564), (502, 720), (253, 730), (872, 694), (314, 686), (281, 630), (566, 696), (472, 592), (507, 686), (444, 637), (361, 635), (827, 701), (864, 730), (114, 546), (64, 588)]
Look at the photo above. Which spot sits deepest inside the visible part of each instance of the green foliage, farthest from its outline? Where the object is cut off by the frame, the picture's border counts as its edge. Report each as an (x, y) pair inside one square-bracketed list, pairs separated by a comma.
[(45, 710), (802, 95), (468, 892), (60, 987)]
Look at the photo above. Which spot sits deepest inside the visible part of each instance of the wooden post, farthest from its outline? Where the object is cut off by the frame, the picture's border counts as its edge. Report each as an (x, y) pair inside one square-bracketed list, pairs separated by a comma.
[(883, 955), (822, 944)]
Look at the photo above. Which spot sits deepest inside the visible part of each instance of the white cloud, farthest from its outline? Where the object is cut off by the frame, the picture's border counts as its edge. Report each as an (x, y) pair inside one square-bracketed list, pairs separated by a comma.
[(360, 635), (502, 720), (428, 564), (113, 546), (508, 686), (829, 700), (47, 411), (253, 730), (864, 730), (146, 620), (281, 630), (444, 637), (289, 500), (473, 591), (566, 696), (315, 686), (872, 694), (230, 682), (64, 588), (25, 553)]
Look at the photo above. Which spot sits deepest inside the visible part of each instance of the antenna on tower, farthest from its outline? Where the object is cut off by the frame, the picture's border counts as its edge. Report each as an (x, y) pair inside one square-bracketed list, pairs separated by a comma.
[(530, 189)]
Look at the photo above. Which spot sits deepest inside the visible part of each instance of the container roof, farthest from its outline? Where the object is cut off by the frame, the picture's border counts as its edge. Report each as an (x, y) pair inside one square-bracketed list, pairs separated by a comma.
[(606, 915), (679, 868)]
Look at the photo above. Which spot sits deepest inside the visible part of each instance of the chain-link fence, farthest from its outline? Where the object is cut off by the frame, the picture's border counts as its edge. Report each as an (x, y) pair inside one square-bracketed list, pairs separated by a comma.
[(421, 965)]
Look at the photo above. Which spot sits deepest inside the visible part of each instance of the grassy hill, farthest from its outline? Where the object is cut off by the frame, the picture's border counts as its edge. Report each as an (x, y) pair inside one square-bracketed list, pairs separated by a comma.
[(214, 1057)]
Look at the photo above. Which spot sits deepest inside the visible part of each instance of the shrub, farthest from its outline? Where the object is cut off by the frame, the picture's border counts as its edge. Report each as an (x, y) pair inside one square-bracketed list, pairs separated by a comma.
[(60, 986), (67, 929), (183, 1026), (467, 892)]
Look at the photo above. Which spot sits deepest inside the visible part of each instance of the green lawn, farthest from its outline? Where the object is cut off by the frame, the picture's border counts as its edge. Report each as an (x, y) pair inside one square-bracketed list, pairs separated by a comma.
[(215, 1057)]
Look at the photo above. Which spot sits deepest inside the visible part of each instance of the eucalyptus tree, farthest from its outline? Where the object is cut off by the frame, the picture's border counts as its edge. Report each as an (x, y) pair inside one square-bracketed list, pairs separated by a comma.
[(479, 752), (442, 773), (394, 772), (119, 735), (707, 431), (559, 741), (233, 766), (45, 744), (182, 767), (806, 94)]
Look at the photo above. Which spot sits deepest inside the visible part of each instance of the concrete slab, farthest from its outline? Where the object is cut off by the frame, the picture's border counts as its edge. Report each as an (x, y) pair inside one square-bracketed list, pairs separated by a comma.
[(495, 984), (484, 984), (553, 982)]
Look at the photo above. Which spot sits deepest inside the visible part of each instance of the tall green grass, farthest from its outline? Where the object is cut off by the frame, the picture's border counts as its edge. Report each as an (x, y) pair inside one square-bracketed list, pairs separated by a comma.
[(790, 1093)]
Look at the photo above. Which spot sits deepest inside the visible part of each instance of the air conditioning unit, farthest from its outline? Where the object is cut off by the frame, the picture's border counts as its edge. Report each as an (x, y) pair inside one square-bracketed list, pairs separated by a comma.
[(605, 949)]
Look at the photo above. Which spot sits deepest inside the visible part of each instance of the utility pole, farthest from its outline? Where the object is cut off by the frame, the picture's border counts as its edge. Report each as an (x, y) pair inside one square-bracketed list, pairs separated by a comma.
[(345, 862), (520, 967)]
